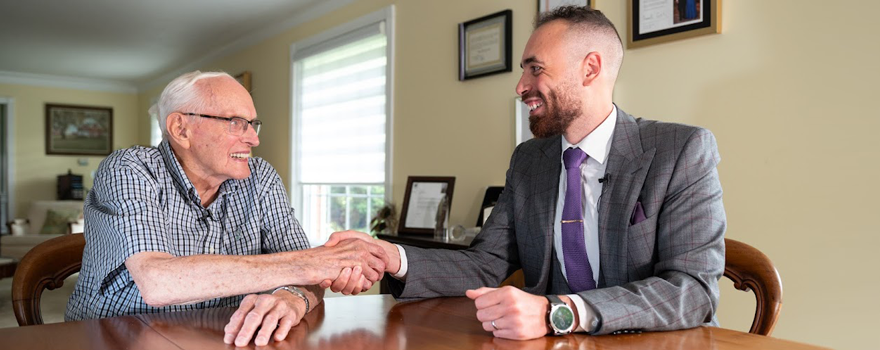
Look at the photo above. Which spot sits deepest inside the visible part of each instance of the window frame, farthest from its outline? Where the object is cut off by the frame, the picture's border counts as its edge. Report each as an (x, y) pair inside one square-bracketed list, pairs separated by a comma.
[(385, 15)]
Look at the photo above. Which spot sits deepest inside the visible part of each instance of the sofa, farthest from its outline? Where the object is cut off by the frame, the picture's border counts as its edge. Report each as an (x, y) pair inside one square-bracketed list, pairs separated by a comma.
[(28, 232)]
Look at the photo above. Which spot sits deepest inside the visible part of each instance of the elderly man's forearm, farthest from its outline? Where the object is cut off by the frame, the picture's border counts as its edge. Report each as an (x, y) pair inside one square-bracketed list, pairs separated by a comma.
[(166, 280)]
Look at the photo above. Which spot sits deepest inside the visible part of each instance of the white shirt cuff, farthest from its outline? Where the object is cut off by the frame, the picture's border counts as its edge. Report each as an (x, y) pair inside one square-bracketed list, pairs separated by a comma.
[(586, 315), (401, 274)]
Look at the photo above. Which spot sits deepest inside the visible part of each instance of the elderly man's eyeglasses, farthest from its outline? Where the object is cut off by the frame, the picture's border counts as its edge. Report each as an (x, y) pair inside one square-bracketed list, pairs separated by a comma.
[(237, 125)]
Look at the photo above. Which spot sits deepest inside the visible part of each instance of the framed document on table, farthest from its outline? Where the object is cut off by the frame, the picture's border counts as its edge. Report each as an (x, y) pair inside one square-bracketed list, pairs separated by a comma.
[(484, 45), (423, 196)]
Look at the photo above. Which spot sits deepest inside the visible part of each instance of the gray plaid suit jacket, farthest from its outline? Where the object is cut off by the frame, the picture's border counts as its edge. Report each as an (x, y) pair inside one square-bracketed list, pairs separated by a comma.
[(658, 274)]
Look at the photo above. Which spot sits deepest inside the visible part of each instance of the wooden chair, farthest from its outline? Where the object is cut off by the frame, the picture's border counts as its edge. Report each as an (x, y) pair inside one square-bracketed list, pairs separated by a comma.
[(44, 267), (749, 269)]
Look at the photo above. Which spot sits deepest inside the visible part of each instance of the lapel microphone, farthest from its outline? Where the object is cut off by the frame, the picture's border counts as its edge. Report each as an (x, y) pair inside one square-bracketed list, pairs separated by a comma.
[(606, 177)]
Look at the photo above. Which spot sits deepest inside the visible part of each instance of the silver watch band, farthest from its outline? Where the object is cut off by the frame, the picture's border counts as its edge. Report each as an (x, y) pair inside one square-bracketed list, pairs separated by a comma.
[(295, 291)]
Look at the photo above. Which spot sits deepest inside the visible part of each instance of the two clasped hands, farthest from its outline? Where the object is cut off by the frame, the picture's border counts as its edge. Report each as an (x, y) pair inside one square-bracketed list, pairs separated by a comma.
[(350, 263), (507, 312)]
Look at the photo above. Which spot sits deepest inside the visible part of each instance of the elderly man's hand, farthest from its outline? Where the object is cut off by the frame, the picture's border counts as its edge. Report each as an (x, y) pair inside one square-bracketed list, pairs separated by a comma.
[(349, 281), (269, 312), (516, 314), (362, 258)]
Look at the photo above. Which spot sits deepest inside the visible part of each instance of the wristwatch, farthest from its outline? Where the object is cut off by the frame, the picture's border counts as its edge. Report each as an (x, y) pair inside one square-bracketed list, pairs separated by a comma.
[(560, 317), (295, 291)]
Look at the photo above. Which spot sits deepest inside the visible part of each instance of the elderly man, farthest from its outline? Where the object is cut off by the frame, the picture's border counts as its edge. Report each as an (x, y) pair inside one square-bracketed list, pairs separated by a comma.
[(199, 223), (616, 222)]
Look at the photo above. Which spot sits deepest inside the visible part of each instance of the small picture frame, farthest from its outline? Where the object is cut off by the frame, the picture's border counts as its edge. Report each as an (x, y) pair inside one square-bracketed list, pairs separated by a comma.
[(660, 21), (547, 5), (423, 195), (244, 78), (521, 132), (484, 45), (79, 130)]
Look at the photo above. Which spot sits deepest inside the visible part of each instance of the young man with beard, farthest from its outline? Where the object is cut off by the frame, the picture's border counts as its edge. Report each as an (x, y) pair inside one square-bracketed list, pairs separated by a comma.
[(616, 222)]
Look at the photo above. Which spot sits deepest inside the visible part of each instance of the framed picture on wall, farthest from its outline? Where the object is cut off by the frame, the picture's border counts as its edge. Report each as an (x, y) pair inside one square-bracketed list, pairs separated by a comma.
[(420, 203), (244, 78), (547, 5), (79, 130), (660, 21), (484, 45)]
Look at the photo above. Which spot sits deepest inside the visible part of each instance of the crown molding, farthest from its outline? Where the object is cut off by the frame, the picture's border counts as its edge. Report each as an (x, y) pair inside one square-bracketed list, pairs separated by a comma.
[(315, 11), (57, 81)]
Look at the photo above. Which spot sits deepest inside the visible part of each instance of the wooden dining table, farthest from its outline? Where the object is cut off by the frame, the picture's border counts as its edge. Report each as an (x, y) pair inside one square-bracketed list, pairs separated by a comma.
[(358, 322)]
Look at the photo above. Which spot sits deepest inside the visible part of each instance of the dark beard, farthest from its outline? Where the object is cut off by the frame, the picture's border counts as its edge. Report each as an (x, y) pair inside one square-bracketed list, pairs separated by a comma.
[(560, 112)]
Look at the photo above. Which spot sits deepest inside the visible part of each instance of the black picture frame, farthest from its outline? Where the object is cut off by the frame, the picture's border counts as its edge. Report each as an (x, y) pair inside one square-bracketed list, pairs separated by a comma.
[(489, 200), (79, 130), (547, 5), (244, 78), (410, 207), (485, 45), (706, 20)]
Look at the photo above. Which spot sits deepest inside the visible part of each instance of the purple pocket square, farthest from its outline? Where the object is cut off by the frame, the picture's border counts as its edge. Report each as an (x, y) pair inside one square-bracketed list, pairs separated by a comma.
[(638, 214)]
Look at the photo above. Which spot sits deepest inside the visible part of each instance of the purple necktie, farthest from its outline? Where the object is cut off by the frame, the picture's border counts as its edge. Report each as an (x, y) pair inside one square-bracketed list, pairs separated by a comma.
[(574, 250)]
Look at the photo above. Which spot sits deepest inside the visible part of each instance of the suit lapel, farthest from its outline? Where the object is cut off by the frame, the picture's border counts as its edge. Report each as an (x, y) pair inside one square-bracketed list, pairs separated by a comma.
[(627, 167), (545, 191)]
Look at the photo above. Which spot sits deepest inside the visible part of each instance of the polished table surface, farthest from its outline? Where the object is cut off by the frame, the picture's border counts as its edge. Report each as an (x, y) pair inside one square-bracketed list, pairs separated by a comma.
[(360, 322)]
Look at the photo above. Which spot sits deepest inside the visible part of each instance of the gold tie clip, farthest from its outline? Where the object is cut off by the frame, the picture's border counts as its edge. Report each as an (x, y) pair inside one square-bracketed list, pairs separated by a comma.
[(571, 221)]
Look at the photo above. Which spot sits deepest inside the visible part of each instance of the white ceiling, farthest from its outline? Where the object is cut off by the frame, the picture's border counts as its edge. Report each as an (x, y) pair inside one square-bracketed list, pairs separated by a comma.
[(137, 43)]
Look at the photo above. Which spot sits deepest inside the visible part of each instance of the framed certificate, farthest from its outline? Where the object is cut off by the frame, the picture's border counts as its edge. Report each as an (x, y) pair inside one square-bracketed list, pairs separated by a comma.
[(660, 21), (423, 196), (484, 45)]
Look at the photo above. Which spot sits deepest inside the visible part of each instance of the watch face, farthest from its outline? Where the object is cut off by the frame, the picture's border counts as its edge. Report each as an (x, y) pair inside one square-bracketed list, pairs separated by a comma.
[(562, 318)]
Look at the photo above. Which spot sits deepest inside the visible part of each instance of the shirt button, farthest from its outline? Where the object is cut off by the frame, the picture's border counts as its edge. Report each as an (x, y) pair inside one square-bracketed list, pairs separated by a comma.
[(212, 250)]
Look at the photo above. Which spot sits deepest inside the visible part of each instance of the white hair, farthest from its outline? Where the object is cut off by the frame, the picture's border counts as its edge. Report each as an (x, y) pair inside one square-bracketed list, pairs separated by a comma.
[(181, 95)]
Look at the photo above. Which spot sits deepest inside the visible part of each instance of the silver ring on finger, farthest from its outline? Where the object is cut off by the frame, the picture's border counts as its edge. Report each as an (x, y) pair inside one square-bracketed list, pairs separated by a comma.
[(494, 326)]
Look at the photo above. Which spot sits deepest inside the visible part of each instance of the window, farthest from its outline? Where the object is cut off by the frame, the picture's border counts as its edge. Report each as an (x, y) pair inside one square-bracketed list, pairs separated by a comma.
[(155, 131), (4, 168), (341, 124)]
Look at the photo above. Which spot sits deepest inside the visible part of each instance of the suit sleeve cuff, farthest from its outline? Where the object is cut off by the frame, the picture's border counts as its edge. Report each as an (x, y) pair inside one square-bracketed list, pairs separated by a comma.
[(586, 315), (401, 273)]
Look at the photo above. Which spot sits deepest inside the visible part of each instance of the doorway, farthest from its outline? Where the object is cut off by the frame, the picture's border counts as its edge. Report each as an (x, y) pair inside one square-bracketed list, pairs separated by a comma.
[(6, 170)]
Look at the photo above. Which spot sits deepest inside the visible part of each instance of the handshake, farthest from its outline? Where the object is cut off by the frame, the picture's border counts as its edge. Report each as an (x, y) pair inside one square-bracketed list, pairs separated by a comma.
[(353, 261)]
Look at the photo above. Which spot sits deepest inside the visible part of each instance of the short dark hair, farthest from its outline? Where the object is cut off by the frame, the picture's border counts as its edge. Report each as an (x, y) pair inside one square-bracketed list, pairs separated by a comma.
[(579, 16)]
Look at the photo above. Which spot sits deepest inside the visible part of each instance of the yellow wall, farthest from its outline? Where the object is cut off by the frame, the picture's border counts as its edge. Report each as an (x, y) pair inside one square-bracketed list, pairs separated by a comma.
[(786, 89), (35, 172)]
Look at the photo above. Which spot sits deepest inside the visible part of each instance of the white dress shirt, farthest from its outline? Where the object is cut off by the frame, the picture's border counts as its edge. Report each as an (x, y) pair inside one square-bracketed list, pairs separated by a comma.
[(596, 145)]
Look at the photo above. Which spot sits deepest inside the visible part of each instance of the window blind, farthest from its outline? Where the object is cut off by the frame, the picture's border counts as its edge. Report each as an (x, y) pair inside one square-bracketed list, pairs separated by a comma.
[(340, 99)]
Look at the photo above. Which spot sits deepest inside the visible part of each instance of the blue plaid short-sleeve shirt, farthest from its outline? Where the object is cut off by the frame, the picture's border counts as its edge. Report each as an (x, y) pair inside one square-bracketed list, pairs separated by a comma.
[(142, 201)]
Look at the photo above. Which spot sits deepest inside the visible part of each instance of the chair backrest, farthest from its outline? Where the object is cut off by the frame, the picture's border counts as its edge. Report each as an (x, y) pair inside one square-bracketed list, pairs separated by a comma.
[(748, 268), (44, 267)]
